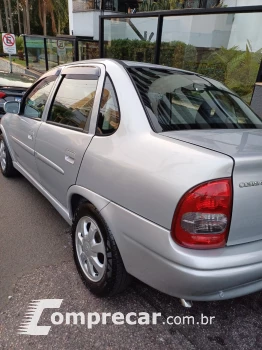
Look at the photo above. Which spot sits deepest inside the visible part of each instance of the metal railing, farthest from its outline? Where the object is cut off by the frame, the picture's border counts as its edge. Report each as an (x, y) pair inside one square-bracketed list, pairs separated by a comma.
[(163, 14), (45, 52)]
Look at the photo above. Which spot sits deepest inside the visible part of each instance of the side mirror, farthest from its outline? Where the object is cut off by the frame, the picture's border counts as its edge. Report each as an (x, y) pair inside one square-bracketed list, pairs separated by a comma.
[(12, 107)]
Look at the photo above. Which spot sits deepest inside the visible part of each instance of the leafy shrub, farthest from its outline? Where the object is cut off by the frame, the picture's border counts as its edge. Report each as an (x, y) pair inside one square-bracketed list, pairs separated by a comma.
[(134, 50), (176, 53), (235, 68), (19, 43)]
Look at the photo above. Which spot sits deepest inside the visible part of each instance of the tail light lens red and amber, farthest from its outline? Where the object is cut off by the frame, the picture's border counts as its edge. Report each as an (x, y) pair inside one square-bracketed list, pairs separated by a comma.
[(203, 215)]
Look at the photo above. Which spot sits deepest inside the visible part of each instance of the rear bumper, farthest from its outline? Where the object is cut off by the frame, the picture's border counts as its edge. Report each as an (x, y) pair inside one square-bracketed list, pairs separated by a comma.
[(150, 255), (193, 284)]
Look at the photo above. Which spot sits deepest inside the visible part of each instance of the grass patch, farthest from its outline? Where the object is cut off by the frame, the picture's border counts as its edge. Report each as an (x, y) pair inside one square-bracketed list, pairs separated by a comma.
[(17, 61)]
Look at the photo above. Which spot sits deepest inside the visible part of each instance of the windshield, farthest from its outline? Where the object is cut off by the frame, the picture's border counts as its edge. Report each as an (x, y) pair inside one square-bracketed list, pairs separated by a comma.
[(182, 101)]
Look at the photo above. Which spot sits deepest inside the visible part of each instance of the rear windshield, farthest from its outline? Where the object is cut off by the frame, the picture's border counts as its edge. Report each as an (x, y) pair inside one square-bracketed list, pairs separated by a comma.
[(182, 101)]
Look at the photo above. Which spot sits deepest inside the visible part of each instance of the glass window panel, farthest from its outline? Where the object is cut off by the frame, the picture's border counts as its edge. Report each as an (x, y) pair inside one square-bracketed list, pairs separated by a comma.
[(183, 101), (88, 50), (225, 47), (59, 52), (109, 114), (130, 38), (74, 102), (36, 53), (36, 100)]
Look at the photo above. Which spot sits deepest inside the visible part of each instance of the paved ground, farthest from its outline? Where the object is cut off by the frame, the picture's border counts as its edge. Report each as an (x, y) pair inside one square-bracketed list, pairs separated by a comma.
[(17, 68), (36, 263)]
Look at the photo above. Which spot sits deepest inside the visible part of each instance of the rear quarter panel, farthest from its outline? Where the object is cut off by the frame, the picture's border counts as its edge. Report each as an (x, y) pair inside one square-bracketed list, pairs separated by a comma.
[(246, 217), (140, 170)]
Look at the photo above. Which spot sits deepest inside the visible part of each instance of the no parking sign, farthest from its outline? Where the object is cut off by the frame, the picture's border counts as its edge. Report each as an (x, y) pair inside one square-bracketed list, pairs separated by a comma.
[(9, 44), (61, 49)]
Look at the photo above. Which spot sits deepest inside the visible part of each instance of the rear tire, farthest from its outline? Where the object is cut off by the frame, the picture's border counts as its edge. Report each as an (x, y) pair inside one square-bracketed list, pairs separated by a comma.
[(6, 162), (96, 255)]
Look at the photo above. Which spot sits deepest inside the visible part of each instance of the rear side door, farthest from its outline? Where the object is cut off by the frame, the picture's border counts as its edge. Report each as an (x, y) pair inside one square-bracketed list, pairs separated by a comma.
[(23, 128), (69, 128)]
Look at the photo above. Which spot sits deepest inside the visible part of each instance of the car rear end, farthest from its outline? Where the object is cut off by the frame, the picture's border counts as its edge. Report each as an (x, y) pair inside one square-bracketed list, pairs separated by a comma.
[(215, 236)]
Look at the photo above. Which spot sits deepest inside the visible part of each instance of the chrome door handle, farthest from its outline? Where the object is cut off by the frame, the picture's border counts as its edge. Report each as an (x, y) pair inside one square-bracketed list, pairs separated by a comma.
[(70, 157), (31, 135)]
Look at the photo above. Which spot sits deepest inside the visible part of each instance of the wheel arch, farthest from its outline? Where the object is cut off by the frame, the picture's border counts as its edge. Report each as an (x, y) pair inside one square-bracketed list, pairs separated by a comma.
[(77, 195), (3, 135)]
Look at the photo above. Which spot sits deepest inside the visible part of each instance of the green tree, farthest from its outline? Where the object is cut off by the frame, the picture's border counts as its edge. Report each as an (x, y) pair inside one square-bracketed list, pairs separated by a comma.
[(57, 12), (1, 18), (10, 16), (237, 69), (61, 14), (6, 15), (34, 16)]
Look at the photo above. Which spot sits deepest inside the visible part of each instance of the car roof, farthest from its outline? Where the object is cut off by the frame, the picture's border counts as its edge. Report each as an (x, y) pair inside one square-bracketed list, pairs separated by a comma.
[(149, 65), (133, 64), (128, 64)]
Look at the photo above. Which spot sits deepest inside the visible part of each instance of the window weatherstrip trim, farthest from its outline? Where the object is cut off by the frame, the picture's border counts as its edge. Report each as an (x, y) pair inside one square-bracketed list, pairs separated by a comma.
[(65, 126), (82, 70)]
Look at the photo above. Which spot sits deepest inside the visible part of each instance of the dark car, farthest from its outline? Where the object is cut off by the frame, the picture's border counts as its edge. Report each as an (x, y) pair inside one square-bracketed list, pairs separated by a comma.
[(12, 87)]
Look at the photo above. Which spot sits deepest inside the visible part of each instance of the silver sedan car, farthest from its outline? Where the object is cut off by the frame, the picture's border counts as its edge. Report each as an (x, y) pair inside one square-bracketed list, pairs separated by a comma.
[(158, 170)]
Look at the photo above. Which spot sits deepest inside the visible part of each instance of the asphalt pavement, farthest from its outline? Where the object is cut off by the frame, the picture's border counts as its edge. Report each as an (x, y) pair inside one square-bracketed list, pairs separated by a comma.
[(36, 263)]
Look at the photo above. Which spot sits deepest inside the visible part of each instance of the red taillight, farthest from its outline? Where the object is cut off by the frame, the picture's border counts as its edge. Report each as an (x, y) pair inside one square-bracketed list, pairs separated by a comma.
[(203, 215), (2, 94)]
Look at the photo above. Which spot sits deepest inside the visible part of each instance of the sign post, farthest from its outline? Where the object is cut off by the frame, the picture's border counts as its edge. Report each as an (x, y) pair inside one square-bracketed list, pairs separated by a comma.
[(11, 65), (61, 49), (9, 46)]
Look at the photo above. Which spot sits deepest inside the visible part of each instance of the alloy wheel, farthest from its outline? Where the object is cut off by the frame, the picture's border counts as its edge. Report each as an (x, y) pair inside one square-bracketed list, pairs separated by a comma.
[(90, 249), (2, 155)]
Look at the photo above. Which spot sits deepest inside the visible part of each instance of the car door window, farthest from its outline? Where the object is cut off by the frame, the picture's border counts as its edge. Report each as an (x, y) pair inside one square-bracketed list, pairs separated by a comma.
[(73, 103), (109, 114), (36, 100)]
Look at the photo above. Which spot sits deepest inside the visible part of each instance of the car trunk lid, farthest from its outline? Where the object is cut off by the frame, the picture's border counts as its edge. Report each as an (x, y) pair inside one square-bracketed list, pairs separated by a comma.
[(245, 147)]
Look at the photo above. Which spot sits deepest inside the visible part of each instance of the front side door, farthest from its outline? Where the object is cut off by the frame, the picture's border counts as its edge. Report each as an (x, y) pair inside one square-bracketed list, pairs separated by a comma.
[(24, 127), (63, 139)]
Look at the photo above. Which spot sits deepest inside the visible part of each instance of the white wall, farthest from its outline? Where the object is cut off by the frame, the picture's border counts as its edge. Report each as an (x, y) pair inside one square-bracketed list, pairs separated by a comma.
[(233, 3), (84, 23), (71, 18), (200, 31), (246, 26), (87, 23), (122, 30)]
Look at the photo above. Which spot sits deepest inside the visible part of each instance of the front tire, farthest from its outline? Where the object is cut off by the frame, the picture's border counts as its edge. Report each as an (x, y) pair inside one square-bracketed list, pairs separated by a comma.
[(6, 163), (96, 254)]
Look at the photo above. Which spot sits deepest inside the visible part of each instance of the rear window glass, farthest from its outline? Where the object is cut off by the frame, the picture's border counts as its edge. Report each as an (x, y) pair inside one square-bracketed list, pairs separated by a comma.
[(182, 101)]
